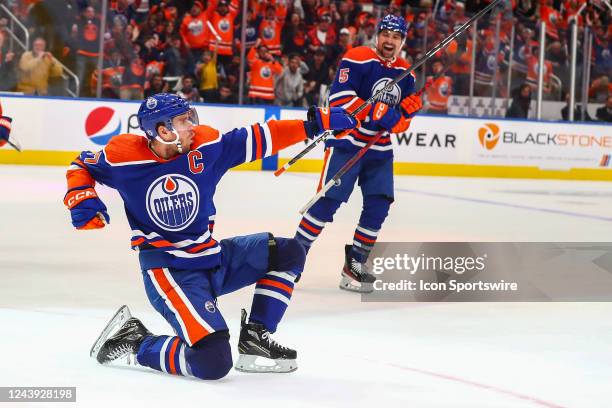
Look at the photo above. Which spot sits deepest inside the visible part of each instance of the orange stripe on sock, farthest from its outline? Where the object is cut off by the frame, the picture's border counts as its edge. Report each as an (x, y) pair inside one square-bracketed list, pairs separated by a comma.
[(365, 239), (309, 228), (171, 357), (276, 284)]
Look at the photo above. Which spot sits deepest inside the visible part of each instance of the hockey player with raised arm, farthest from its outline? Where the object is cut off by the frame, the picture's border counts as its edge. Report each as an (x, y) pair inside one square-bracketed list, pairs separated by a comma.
[(167, 181), (362, 72)]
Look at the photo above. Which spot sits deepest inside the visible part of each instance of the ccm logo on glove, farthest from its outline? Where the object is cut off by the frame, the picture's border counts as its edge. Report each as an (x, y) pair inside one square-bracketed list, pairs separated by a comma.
[(379, 111), (78, 196)]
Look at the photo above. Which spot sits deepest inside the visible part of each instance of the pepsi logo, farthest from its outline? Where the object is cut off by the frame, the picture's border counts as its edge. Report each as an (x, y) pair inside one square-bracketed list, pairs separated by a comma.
[(102, 124), (172, 202)]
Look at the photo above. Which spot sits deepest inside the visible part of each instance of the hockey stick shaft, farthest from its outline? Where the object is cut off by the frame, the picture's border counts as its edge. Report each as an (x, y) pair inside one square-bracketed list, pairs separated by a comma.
[(13, 145), (335, 180), (443, 44), (301, 154)]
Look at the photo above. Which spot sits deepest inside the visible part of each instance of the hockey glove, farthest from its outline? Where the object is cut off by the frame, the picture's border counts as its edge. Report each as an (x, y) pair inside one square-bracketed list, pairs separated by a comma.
[(411, 105), (5, 129), (322, 119), (389, 119), (86, 209)]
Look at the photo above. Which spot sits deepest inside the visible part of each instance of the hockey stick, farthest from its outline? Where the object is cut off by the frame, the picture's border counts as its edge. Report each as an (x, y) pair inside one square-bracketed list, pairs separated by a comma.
[(335, 181), (14, 145), (442, 44)]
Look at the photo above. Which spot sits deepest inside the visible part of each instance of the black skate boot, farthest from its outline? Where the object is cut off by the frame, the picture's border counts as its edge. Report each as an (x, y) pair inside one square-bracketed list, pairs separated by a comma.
[(355, 276), (256, 344), (120, 338)]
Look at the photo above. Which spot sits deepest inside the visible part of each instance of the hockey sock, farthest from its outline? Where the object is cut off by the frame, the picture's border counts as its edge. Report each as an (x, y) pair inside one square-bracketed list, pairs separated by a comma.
[(315, 219), (273, 291), (375, 210), (272, 296), (363, 242), (308, 230), (209, 359), (164, 353)]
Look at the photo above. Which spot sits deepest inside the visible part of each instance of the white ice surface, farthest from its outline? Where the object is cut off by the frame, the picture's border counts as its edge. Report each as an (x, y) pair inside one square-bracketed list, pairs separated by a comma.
[(59, 287)]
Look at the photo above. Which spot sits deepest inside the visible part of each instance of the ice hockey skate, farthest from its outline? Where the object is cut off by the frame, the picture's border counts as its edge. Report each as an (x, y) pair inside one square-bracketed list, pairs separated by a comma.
[(355, 276), (120, 339), (259, 353)]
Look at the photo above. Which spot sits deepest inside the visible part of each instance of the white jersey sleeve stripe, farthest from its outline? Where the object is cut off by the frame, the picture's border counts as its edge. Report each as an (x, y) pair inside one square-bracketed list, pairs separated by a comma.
[(249, 145), (268, 137), (341, 94)]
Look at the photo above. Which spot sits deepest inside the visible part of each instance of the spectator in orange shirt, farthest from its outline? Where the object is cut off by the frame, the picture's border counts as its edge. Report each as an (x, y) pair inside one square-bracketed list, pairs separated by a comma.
[(440, 89), (222, 20), (271, 28), (194, 30), (264, 69)]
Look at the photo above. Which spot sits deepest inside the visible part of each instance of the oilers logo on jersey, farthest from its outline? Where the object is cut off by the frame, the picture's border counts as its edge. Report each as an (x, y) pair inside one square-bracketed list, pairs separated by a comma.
[(224, 25), (196, 27), (265, 72), (444, 91), (268, 33), (390, 97), (172, 202)]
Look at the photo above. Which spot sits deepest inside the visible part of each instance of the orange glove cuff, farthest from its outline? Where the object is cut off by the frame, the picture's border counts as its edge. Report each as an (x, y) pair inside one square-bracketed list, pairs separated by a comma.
[(75, 197), (95, 223)]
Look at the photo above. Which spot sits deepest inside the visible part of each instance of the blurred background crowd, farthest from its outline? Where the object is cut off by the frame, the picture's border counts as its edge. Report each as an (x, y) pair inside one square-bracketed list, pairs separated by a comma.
[(292, 48)]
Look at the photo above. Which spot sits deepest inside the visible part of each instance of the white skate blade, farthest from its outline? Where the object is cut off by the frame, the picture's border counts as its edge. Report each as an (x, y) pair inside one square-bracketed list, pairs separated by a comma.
[(350, 284), (248, 363), (122, 315)]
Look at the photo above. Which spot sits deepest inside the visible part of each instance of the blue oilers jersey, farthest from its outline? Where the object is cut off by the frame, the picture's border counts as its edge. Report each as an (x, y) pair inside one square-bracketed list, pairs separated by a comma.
[(169, 203), (360, 75)]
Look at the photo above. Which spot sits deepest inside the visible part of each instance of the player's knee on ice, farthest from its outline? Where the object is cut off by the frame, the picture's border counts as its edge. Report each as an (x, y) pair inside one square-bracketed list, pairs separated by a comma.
[(290, 256), (375, 210), (211, 357)]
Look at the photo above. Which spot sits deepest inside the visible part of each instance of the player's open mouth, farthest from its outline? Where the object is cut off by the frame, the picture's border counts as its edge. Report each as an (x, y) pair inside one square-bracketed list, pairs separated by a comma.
[(389, 48)]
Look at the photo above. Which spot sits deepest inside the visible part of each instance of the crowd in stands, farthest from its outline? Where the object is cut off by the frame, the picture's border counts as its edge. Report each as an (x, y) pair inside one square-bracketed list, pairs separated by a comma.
[(292, 47)]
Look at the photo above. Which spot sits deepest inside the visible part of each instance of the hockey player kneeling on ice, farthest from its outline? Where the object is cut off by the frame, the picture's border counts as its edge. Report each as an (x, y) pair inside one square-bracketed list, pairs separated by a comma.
[(167, 181), (362, 72)]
